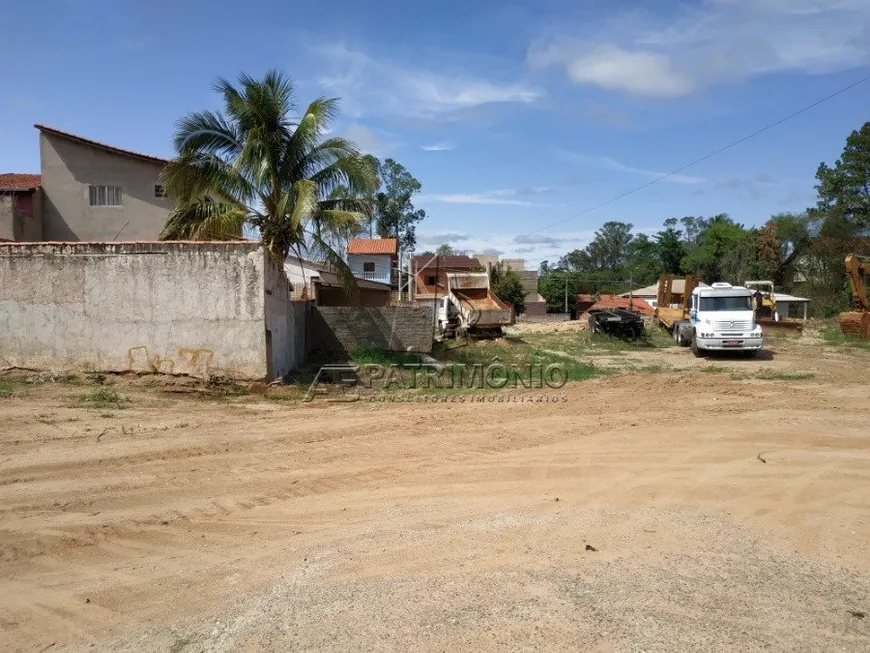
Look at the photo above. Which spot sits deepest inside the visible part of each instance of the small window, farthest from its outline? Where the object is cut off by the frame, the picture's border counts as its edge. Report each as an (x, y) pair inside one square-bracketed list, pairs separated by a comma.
[(159, 191), (105, 195), (368, 267), (430, 280)]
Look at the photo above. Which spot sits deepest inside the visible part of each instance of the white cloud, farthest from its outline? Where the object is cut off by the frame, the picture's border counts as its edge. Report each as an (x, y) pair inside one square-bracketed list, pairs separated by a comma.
[(437, 147), (367, 139), (497, 197), (612, 164), (376, 85), (533, 247), (611, 67), (718, 41)]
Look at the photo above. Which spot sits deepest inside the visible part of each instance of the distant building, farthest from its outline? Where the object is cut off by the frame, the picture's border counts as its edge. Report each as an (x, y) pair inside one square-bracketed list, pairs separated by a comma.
[(20, 207), (533, 303), (430, 274), (650, 293), (374, 259)]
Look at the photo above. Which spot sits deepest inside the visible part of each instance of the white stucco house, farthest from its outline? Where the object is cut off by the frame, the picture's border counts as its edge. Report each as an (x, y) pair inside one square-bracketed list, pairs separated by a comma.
[(374, 259)]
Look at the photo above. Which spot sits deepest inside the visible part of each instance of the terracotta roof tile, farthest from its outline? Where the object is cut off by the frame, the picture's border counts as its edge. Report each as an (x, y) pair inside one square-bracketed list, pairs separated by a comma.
[(451, 262), (103, 146), (19, 181), (373, 246)]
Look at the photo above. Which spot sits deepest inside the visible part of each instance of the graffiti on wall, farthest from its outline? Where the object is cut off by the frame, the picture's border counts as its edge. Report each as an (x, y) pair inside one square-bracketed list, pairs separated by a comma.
[(196, 362)]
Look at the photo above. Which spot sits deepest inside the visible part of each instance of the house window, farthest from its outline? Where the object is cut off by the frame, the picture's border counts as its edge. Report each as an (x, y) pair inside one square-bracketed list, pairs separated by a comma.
[(430, 280), (159, 191), (368, 267), (104, 195)]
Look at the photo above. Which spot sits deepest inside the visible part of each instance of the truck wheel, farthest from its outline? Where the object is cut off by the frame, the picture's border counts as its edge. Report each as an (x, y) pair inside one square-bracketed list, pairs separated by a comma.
[(695, 349)]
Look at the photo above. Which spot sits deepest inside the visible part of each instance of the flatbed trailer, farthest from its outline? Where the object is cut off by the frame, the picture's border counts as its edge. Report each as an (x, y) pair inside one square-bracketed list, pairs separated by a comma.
[(616, 322)]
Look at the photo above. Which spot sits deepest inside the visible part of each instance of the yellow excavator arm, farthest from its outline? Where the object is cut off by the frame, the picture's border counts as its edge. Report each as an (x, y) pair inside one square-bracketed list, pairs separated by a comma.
[(857, 271), (857, 321)]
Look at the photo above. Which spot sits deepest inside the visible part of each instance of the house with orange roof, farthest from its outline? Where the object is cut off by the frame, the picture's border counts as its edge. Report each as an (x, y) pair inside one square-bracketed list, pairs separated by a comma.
[(20, 207), (374, 259)]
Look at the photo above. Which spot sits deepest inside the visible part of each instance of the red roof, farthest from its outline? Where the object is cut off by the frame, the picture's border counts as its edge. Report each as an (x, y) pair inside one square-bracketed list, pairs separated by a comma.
[(373, 246), (19, 181), (445, 262), (102, 146), (587, 302)]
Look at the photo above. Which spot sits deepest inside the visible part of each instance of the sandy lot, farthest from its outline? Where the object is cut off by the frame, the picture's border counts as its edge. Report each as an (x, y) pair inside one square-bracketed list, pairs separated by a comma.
[(690, 509)]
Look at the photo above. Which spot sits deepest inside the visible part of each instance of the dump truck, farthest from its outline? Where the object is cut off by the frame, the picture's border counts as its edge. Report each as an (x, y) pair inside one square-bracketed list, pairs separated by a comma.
[(857, 321), (471, 309), (766, 314)]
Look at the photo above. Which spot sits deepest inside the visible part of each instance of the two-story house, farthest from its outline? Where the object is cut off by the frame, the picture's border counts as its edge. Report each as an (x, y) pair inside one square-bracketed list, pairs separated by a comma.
[(86, 191), (374, 259), (96, 192)]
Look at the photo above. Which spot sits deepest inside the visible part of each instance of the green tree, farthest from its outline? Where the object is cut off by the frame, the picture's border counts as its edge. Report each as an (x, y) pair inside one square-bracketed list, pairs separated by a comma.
[(256, 164), (844, 189), (720, 252), (671, 248), (445, 250), (507, 286), (393, 214), (554, 286), (642, 260)]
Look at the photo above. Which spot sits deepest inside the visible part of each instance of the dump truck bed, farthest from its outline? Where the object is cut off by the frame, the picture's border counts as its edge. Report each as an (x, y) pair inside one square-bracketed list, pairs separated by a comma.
[(483, 307)]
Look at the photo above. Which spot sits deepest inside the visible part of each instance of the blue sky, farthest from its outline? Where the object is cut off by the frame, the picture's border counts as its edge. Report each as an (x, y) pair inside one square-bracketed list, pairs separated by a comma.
[(513, 115)]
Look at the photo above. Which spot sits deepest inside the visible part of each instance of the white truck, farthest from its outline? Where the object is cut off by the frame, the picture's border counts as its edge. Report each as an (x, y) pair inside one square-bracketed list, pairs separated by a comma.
[(470, 308), (721, 318)]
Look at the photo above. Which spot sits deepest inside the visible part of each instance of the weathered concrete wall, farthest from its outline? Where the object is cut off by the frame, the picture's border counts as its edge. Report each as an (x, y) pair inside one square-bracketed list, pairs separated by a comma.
[(67, 169), (298, 343), (277, 319), (183, 308), (341, 329)]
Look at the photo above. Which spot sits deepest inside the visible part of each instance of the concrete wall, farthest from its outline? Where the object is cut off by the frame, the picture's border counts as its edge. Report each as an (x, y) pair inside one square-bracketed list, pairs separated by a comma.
[(277, 317), (189, 308), (67, 169), (338, 330)]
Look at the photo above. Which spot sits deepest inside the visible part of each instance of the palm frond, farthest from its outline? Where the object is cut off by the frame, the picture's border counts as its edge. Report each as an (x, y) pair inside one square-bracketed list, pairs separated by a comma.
[(205, 220), (337, 265)]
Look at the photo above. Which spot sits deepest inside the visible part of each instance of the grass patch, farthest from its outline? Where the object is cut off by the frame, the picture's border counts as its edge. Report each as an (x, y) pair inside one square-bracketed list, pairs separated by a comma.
[(714, 369), (832, 335), (785, 376), (370, 356), (103, 398), (107, 415), (6, 389), (224, 385)]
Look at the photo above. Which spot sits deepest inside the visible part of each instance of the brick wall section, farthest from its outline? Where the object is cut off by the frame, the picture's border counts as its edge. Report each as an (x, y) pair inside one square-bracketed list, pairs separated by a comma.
[(338, 330)]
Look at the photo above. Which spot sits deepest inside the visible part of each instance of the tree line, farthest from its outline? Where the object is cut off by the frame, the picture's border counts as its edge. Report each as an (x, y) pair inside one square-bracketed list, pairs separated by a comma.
[(800, 252)]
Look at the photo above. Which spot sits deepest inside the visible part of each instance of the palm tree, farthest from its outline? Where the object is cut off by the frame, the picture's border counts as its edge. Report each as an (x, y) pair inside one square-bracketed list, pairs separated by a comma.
[(259, 165)]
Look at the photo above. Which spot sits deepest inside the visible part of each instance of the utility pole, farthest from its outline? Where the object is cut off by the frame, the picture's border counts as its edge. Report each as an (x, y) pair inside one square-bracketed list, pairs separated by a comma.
[(566, 292)]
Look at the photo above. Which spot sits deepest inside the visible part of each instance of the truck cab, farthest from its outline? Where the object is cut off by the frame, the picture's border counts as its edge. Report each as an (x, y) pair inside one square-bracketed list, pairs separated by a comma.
[(722, 318)]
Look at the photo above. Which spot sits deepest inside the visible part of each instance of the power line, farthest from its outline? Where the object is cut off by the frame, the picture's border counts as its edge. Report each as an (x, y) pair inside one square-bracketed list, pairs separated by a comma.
[(731, 145)]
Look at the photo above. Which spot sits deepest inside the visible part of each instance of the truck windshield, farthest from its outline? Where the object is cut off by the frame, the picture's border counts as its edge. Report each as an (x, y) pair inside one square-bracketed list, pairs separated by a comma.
[(740, 303)]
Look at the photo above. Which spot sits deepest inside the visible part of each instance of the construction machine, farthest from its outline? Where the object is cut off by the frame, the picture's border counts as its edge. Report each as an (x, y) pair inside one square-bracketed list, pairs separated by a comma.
[(764, 304), (857, 321), (672, 313)]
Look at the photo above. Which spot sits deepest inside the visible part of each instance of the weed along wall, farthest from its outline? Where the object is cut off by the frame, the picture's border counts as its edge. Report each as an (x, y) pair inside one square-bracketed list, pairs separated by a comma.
[(175, 308), (341, 329)]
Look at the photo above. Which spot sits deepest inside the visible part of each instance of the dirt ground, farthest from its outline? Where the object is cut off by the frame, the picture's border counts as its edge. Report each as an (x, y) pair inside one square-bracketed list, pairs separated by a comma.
[(693, 507)]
